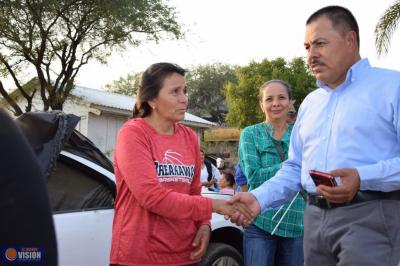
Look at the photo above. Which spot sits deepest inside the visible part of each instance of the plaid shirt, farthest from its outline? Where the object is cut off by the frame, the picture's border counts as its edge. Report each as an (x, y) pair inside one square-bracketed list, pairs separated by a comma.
[(260, 161)]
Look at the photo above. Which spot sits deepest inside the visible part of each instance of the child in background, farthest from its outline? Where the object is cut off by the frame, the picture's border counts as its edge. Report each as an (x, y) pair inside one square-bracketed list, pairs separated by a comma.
[(227, 183)]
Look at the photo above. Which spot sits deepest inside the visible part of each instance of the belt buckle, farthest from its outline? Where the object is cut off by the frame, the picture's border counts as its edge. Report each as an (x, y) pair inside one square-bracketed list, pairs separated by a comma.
[(323, 202)]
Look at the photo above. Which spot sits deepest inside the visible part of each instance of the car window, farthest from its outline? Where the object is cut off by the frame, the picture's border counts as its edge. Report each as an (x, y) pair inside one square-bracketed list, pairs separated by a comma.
[(73, 186)]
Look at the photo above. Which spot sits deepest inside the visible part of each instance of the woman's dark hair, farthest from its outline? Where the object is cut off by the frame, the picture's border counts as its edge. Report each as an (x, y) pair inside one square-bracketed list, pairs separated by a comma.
[(150, 85), (283, 83), (340, 17), (230, 178)]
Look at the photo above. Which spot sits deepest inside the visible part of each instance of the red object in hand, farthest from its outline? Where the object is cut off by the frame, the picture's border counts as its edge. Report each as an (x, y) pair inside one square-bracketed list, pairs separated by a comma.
[(322, 178)]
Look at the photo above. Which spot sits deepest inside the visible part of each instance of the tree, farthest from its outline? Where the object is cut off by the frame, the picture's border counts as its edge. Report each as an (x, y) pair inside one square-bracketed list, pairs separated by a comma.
[(125, 85), (242, 98), (206, 94), (386, 26), (54, 39)]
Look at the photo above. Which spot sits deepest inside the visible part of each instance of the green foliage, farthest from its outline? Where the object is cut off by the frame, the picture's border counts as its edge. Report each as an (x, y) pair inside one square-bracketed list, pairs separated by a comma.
[(301, 80), (125, 85), (56, 38), (242, 97), (206, 94), (386, 26)]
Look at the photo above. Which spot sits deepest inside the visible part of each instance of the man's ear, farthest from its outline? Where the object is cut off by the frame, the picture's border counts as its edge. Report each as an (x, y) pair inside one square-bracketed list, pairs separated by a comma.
[(351, 39)]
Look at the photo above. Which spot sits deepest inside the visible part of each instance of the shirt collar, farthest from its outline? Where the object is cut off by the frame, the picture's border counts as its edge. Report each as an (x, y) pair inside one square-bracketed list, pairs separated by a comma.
[(353, 73), (286, 135)]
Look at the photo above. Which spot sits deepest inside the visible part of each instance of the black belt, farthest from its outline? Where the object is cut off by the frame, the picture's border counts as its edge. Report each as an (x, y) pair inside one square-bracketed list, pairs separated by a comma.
[(361, 196)]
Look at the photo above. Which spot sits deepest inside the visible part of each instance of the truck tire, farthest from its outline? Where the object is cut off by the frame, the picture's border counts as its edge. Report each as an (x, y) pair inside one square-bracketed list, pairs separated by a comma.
[(220, 254)]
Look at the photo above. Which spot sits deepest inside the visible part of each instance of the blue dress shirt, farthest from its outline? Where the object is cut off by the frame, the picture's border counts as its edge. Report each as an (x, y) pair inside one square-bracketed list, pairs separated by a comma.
[(355, 125)]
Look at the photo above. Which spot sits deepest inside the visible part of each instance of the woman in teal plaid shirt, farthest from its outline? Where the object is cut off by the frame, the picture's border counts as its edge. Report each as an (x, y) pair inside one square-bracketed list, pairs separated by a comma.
[(275, 237)]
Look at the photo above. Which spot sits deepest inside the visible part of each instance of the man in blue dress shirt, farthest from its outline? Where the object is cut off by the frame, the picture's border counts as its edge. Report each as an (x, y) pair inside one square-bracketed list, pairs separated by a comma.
[(350, 127)]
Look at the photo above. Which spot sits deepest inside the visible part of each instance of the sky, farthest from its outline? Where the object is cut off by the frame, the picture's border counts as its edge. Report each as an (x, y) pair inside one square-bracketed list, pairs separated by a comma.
[(238, 32)]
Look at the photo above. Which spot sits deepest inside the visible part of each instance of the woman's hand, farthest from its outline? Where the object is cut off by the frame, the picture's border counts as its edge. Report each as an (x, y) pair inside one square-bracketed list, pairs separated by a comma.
[(250, 202), (200, 242), (229, 209)]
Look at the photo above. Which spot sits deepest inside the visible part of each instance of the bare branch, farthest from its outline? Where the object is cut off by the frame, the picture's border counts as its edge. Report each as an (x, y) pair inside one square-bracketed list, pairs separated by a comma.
[(58, 37), (16, 81), (11, 102)]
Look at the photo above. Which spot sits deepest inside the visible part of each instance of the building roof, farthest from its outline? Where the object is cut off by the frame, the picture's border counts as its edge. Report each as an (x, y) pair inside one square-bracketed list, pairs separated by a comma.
[(122, 102), (104, 98)]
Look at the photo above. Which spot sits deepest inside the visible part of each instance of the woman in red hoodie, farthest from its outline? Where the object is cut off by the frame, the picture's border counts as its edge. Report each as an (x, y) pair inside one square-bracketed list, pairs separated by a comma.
[(160, 217)]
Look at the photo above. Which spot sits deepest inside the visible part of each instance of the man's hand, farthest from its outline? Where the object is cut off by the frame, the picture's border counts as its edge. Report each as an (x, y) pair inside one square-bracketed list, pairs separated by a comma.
[(248, 200), (346, 191), (200, 242), (228, 209)]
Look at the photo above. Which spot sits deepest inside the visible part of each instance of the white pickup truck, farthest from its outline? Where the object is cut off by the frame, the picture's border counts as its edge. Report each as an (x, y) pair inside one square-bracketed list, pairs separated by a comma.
[(81, 187)]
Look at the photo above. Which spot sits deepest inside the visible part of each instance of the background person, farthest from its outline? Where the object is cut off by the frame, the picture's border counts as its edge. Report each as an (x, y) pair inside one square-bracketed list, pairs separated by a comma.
[(292, 114), (220, 164), (275, 237), (226, 184), (157, 169), (349, 127), (240, 179), (209, 174)]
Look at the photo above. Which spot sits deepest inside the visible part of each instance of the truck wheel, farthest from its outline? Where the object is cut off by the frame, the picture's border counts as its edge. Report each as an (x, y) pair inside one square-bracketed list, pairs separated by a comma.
[(220, 254)]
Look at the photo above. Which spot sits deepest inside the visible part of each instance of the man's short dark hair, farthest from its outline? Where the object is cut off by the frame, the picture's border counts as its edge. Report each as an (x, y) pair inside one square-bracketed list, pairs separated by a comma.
[(340, 17)]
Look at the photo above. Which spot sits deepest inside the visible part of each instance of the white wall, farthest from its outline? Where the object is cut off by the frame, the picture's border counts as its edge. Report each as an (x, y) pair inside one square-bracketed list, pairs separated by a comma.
[(80, 108), (103, 130), (71, 106)]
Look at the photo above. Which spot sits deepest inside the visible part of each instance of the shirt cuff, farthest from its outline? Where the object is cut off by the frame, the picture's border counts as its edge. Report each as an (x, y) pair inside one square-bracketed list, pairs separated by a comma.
[(205, 222), (260, 195), (368, 174)]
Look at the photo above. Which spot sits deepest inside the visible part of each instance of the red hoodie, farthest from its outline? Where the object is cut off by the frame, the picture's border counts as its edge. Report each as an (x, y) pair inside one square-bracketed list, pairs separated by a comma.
[(155, 219)]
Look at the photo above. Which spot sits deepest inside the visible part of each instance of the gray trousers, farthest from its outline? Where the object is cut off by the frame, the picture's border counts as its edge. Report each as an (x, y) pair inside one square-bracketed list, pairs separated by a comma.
[(366, 234)]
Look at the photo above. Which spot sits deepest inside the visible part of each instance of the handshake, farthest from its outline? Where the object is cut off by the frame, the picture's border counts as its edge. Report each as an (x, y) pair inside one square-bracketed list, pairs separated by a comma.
[(241, 209)]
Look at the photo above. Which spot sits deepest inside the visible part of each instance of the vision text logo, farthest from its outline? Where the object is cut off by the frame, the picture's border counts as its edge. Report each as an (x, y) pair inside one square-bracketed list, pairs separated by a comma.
[(17, 255)]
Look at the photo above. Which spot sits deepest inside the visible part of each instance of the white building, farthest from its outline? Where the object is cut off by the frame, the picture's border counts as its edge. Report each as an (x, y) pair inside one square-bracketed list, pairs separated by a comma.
[(102, 114)]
